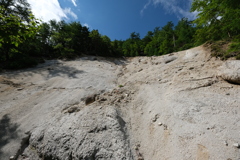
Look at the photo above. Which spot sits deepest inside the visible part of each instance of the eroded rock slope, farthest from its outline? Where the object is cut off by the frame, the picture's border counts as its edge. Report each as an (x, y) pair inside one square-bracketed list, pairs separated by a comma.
[(177, 106)]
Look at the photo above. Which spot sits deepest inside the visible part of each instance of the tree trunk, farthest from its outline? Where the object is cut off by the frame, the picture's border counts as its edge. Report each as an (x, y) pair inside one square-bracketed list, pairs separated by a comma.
[(174, 41), (229, 35)]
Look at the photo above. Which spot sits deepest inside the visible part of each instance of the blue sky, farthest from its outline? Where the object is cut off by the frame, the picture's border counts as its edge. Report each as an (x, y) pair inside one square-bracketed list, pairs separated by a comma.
[(115, 18)]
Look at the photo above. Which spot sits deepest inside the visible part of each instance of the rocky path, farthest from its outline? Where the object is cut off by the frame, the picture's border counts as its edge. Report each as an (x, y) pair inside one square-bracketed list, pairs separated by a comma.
[(170, 107)]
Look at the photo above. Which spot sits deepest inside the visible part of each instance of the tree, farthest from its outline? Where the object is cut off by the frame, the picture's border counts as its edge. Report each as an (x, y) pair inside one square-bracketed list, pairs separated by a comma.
[(64, 39), (44, 39), (19, 8), (117, 47), (184, 32), (96, 42), (217, 19), (133, 46), (135, 36), (100, 44), (61, 39), (17, 25), (167, 34), (148, 37), (152, 48), (80, 39)]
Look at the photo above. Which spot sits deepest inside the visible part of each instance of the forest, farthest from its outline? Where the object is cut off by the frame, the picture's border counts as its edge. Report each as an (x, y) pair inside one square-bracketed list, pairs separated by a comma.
[(25, 41)]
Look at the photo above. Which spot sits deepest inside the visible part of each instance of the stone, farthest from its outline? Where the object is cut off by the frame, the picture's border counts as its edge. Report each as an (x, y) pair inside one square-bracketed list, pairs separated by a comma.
[(90, 99), (230, 71), (191, 68), (165, 127), (154, 119), (190, 54), (103, 136), (169, 59), (226, 143), (237, 145)]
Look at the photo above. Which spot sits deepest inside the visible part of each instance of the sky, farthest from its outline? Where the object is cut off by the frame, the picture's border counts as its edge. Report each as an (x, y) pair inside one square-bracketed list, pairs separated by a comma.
[(115, 18)]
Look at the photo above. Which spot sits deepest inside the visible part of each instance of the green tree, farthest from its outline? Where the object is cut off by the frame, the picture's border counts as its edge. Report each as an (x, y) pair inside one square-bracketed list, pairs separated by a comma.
[(66, 39), (44, 39), (61, 39), (117, 48), (168, 37), (184, 32), (135, 36), (148, 37), (217, 19), (80, 39), (17, 25), (100, 44), (133, 46), (19, 8), (152, 48), (96, 42)]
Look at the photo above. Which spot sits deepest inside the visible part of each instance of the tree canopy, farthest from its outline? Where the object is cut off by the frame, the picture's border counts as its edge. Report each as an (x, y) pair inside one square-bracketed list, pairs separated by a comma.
[(17, 25), (216, 18)]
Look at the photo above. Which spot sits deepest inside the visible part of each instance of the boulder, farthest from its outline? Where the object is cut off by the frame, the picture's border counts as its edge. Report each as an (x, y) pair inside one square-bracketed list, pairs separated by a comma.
[(92, 133), (230, 71)]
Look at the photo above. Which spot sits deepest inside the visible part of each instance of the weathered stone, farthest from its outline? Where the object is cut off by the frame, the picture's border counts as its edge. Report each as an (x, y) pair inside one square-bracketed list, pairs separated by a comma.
[(169, 59), (103, 137), (237, 145), (230, 71), (90, 99)]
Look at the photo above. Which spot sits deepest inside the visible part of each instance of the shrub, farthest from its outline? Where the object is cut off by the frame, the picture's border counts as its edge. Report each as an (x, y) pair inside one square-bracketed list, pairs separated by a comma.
[(22, 62)]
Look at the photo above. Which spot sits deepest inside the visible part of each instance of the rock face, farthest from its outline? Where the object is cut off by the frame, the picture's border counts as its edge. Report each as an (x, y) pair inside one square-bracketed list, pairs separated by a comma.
[(169, 107), (230, 71), (91, 133)]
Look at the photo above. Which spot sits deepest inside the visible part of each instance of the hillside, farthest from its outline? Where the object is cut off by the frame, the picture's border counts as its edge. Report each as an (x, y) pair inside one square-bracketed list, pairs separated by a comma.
[(171, 107)]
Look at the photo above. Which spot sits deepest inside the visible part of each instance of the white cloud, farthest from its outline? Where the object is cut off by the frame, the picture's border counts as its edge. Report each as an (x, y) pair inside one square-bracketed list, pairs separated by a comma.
[(47, 9), (172, 6), (86, 25), (145, 7), (74, 2), (50, 9), (69, 12)]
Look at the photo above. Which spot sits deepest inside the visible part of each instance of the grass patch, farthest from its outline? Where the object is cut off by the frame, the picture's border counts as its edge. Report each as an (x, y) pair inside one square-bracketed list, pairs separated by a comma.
[(225, 49), (234, 49), (120, 86)]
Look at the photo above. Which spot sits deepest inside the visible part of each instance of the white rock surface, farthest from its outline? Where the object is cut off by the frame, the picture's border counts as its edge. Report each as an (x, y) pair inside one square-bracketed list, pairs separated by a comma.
[(230, 71), (180, 113)]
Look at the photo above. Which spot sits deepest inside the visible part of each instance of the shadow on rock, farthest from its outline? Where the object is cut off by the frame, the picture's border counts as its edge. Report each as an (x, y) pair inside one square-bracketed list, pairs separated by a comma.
[(60, 71), (7, 132), (53, 69)]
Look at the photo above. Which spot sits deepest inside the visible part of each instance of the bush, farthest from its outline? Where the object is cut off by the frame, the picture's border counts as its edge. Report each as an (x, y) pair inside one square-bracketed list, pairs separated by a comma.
[(23, 62), (225, 49), (234, 49)]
